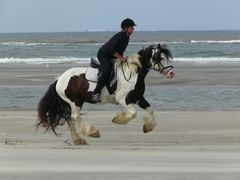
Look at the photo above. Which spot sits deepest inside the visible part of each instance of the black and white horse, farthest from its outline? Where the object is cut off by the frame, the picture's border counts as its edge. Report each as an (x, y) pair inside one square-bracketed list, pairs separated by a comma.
[(65, 97)]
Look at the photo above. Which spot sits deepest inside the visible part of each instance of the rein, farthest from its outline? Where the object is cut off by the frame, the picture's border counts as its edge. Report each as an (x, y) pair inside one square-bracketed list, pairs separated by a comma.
[(124, 73), (161, 70)]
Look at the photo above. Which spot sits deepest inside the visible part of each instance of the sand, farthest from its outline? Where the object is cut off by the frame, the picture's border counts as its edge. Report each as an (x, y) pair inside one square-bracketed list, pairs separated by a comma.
[(184, 145)]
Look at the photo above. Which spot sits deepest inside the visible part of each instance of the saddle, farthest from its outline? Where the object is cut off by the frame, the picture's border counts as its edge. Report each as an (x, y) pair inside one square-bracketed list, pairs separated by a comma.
[(92, 73), (94, 63)]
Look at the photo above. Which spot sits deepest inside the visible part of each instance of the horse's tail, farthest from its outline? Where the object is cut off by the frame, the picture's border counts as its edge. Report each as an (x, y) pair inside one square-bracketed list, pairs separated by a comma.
[(52, 110)]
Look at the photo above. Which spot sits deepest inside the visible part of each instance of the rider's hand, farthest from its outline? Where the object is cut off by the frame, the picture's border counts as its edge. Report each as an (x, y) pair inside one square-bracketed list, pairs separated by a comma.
[(120, 57), (124, 59)]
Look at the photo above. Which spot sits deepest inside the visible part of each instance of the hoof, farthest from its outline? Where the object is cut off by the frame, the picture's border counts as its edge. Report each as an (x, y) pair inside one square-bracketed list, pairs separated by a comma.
[(121, 118), (95, 134), (117, 120), (80, 142), (148, 127), (89, 131)]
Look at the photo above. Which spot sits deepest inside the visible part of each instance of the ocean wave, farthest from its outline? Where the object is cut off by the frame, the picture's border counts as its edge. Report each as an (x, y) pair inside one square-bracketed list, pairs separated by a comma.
[(155, 42), (54, 60), (84, 43), (216, 41), (21, 44), (99, 43), (208, 59)]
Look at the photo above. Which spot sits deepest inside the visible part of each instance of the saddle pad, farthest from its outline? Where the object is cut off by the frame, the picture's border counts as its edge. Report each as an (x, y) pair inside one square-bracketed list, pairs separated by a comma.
[(92, 74)]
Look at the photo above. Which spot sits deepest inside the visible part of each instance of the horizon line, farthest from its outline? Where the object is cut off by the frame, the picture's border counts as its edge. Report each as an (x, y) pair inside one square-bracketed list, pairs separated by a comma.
[(99, 31)]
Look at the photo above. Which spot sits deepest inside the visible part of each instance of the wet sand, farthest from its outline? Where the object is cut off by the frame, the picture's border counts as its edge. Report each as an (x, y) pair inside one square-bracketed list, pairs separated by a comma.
[(184, 145), (222, 74)]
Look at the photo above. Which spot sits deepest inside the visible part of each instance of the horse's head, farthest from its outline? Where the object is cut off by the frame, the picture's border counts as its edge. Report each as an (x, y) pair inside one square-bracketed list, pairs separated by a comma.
[(159, 58)]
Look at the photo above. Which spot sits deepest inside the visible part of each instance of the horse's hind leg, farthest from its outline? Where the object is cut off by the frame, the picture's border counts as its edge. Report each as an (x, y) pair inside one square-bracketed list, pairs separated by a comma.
[(77, 140), (88, 130), (125, 117), (75, 116)]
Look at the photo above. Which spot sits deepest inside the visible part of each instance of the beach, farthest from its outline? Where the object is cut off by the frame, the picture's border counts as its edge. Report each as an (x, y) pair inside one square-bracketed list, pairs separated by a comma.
[(184, 145)]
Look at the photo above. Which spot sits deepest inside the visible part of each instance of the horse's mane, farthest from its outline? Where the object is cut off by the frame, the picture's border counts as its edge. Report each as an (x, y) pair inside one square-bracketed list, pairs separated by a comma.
[(132, 63), (164, 49)]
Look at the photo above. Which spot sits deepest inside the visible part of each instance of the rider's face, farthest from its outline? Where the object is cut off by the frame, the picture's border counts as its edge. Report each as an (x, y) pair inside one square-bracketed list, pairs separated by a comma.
[(130, 30)]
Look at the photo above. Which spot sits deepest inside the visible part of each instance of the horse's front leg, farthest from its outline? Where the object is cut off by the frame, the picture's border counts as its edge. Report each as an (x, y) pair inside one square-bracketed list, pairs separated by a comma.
[(125, 117), (149, 119)]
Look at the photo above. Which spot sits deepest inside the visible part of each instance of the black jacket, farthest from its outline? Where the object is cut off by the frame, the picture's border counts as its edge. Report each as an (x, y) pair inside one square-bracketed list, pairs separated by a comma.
[(118, 43)]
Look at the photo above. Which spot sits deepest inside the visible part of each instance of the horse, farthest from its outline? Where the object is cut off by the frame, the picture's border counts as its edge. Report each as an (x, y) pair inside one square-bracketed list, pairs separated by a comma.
[(65, 97)]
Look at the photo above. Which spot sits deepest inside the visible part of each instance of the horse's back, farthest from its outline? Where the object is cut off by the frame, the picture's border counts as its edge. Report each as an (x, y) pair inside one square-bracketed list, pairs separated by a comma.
[(64, 79)]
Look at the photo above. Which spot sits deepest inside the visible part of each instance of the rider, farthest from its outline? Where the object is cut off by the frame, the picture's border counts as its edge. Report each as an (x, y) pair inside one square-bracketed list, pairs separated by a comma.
[(113, 49)]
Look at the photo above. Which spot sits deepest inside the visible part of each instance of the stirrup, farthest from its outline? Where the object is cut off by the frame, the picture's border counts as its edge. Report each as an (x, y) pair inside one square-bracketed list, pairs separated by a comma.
[(96, 97)]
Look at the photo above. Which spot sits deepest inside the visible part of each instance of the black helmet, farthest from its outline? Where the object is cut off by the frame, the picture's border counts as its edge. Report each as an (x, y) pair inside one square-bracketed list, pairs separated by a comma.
[(127, 23)]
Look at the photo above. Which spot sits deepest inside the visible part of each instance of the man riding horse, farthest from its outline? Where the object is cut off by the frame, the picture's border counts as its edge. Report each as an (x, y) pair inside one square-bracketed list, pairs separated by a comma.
[(65, 97), (112, 49)]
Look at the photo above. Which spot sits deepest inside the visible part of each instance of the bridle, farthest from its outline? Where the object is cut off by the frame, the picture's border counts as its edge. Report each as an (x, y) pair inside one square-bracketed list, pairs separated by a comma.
[(159, 64), (157, 54)]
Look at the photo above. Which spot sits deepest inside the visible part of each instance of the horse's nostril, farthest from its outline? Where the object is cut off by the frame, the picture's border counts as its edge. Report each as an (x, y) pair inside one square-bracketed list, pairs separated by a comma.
[(172, 73)]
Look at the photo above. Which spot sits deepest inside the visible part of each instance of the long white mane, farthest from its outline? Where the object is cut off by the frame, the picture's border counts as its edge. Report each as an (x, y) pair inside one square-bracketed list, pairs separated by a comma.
[(132, 63)]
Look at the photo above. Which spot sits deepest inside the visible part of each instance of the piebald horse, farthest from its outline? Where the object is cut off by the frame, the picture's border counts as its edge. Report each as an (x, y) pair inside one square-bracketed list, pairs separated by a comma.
[(65, 97)]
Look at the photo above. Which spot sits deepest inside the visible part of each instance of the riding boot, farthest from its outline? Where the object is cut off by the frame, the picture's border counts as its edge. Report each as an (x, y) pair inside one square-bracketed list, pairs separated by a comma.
[(97, 92)]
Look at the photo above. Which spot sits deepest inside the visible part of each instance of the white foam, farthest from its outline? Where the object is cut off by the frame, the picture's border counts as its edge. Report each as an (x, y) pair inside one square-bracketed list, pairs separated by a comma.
[(156, 42), (53, 60), (208, 59), (21, 44), (215, 41), (12, 43)]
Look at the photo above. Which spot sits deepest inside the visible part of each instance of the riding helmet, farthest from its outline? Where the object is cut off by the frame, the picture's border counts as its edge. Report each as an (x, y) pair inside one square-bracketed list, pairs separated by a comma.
[(127, 23)]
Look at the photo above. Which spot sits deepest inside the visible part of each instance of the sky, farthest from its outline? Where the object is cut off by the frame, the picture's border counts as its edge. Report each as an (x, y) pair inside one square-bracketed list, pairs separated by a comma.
[(98, 15)]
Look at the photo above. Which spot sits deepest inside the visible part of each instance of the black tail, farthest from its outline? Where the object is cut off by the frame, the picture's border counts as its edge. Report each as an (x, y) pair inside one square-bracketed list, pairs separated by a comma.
[(52, 110)]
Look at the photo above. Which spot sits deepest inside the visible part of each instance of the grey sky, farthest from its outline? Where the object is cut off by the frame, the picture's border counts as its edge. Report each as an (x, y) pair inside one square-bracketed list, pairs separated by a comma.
[(82, 15)]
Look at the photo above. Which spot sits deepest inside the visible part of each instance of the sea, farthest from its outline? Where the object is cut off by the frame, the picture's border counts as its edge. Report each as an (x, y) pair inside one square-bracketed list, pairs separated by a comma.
[(64, 47)]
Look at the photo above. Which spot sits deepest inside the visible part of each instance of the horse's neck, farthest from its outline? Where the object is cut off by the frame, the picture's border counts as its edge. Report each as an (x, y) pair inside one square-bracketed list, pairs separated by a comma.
[(145, 67), (143, 73), (145, 57)]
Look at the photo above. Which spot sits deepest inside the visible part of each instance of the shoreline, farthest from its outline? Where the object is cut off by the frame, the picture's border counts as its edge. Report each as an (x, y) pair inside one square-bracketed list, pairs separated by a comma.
[(187, 74)]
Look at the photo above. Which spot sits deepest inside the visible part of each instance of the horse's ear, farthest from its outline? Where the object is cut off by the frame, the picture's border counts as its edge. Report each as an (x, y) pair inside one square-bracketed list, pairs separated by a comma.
[(159, 46)]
